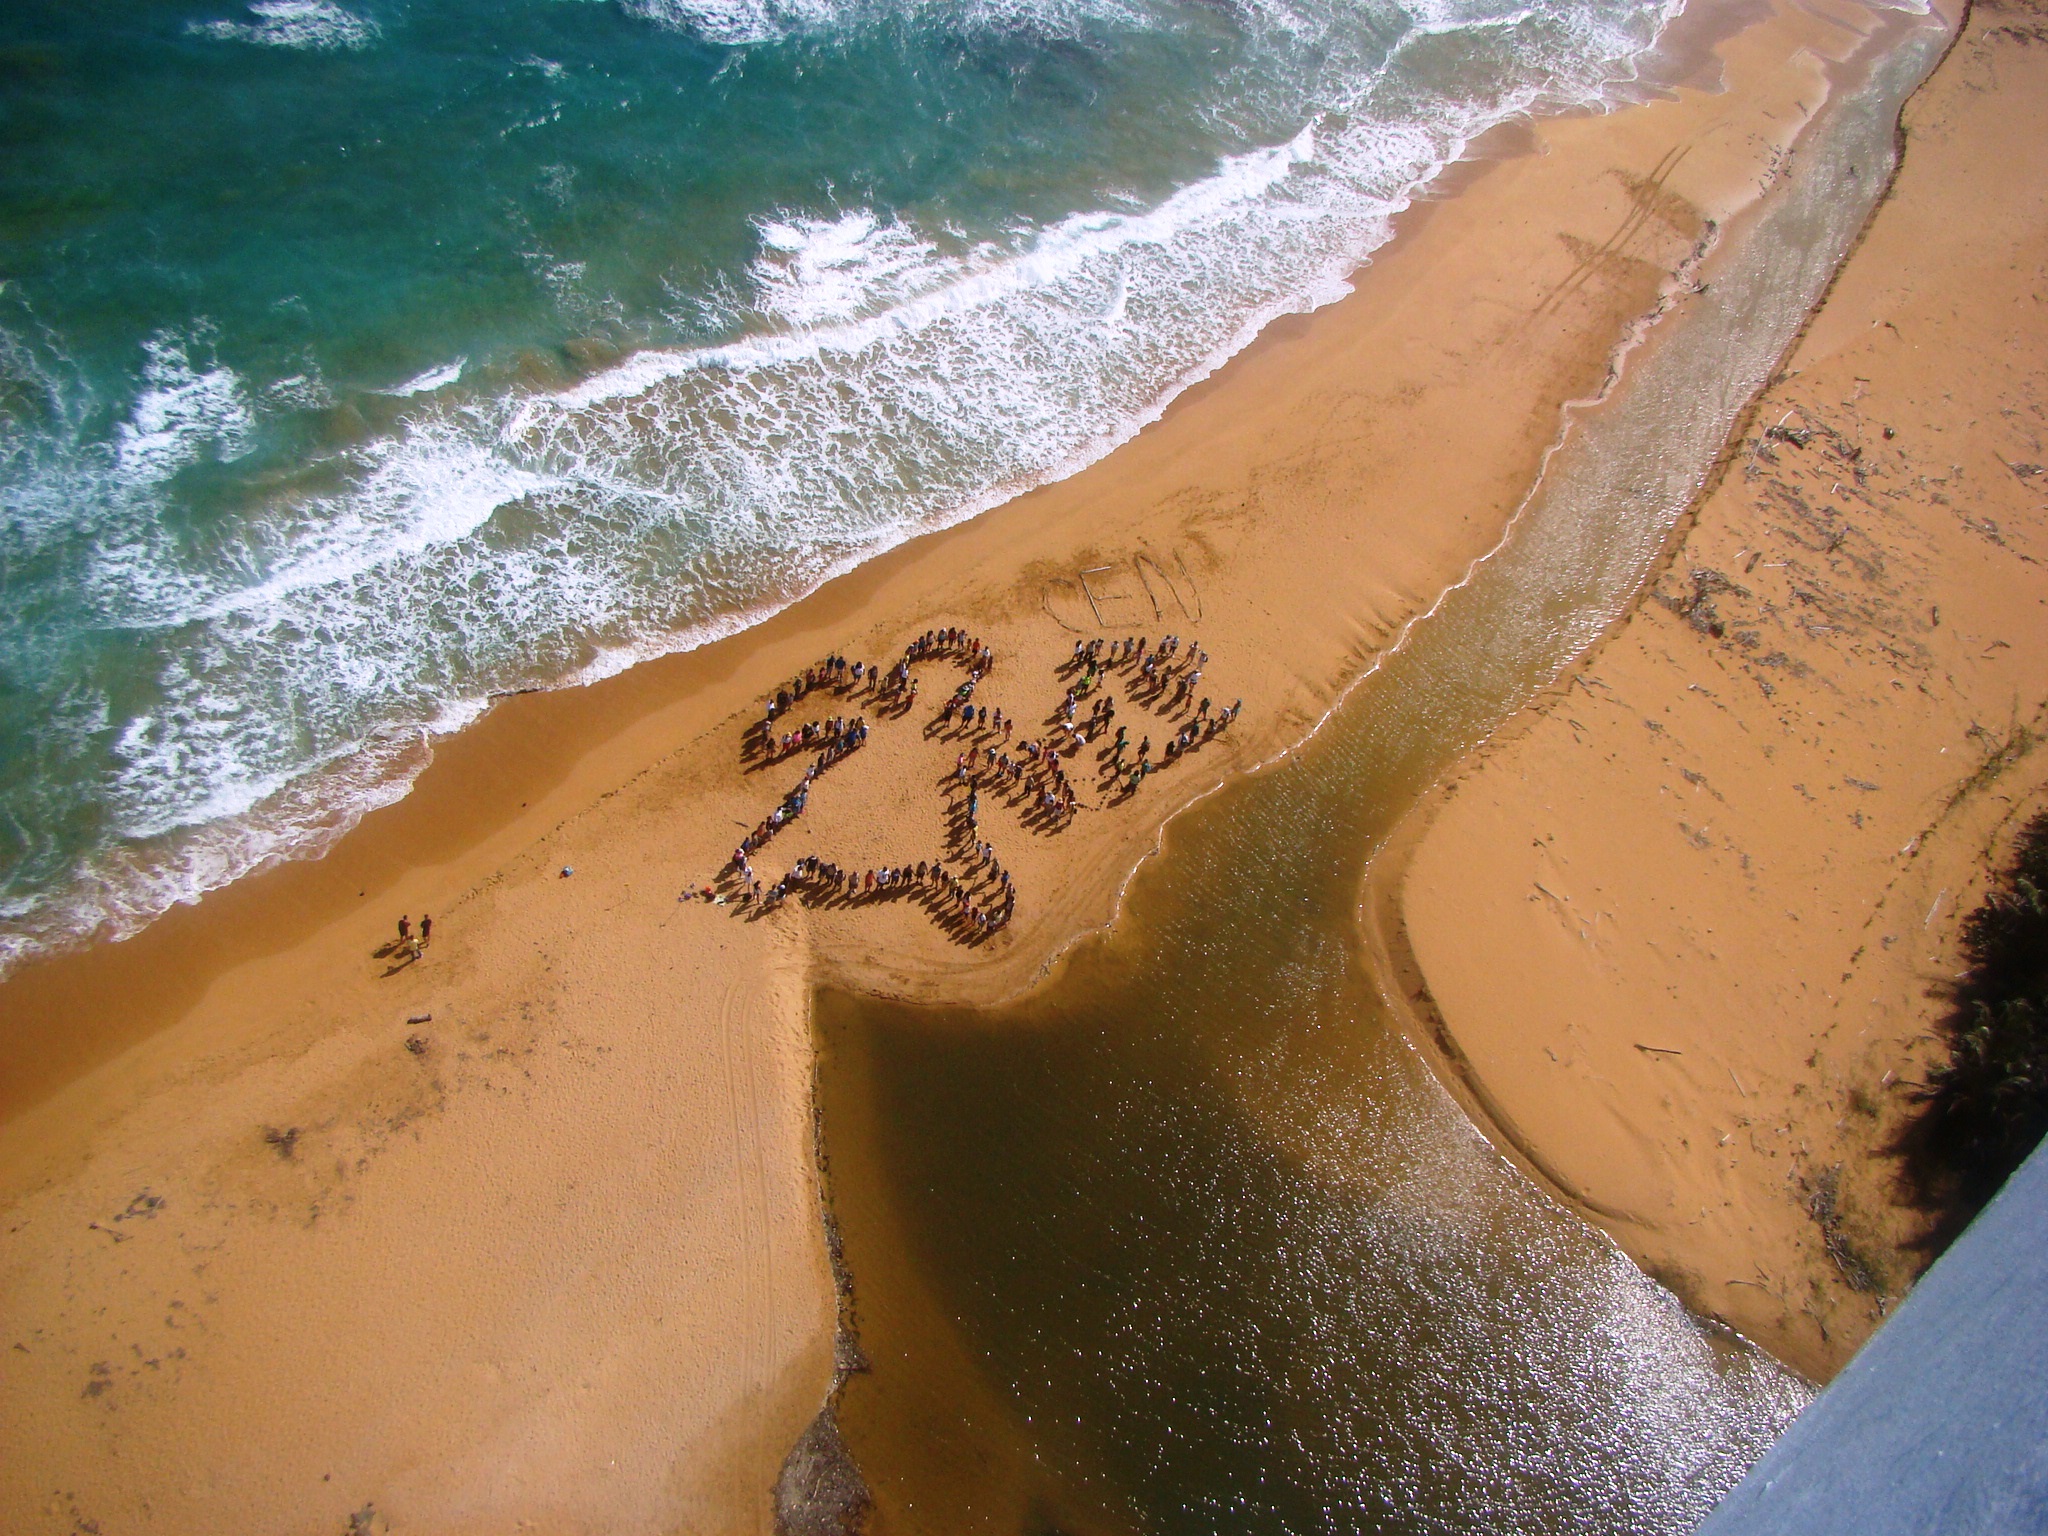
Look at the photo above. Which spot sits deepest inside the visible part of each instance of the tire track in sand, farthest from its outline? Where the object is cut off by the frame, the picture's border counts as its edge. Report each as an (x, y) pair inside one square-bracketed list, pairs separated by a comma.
[(743, 1017)]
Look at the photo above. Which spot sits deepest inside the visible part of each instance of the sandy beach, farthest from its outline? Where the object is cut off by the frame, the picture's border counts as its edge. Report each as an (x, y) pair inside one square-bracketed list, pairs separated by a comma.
[(1682, 927), (527, 1233)]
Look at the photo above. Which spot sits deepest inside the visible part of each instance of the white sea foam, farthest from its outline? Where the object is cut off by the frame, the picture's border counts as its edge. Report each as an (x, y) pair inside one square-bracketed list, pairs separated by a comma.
[(1433, 17), (297, 392), (437, 492), (433, 379), (742, 23), (315, 25), (737, 22), (813, 271), (181, 412)]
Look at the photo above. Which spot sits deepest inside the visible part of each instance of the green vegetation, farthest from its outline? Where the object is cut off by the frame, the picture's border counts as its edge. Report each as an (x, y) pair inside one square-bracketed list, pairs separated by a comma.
[(1985, 1108)]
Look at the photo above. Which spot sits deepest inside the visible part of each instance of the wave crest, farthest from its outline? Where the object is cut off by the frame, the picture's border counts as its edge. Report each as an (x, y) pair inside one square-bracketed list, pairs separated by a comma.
[(747, 23), (317, 26)]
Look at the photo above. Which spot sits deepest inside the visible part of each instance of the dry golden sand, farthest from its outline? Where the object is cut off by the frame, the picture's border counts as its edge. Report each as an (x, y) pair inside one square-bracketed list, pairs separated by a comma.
[(528, 1233), (1683, 922)]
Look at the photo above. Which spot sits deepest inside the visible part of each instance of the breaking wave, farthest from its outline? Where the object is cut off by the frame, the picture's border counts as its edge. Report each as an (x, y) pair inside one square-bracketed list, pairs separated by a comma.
[(315, 25)]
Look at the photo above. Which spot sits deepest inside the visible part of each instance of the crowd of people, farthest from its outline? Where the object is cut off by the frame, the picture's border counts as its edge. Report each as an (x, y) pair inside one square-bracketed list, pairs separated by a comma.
[(1165, 679), (1034, 778), (842, 743), (1029, 776), (811, 734), (953, 642), (973, 906), (896, 687), (893, 692)]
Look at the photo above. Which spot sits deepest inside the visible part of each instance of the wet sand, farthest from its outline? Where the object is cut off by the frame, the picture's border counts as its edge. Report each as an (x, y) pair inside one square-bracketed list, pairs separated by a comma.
[(1683, 925), (297, 1232)]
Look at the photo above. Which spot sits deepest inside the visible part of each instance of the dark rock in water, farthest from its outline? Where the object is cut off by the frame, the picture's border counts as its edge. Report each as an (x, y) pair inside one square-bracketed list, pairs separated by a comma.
[(344, 424), (821, 1491), (536, 369), (592, 353)]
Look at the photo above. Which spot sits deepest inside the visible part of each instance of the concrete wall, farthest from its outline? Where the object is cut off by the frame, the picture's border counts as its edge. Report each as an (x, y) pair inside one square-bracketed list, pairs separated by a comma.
[(1940, 1425)]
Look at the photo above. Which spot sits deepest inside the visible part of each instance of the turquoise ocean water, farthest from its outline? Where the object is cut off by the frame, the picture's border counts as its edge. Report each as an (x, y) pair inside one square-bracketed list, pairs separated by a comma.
[(358, 361)]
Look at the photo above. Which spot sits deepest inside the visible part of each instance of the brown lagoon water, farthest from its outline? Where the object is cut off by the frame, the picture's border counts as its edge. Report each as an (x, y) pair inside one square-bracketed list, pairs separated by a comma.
[(1190, 1240)]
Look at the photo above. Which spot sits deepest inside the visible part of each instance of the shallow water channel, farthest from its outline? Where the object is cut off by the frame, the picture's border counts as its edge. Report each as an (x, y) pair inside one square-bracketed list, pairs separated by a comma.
[(1190, 1240)]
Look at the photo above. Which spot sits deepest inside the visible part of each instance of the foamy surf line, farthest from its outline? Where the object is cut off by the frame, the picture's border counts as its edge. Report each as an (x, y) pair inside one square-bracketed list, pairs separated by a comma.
[(866, 305)]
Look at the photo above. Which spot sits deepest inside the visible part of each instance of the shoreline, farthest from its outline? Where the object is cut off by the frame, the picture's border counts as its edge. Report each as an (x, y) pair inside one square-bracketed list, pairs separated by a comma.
[(1678, 57), (242, 1057), (1775, 972)]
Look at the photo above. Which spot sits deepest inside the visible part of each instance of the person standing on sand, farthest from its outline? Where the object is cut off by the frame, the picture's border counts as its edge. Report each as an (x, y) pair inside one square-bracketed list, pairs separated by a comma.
[(426, 930), (404, 929)]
